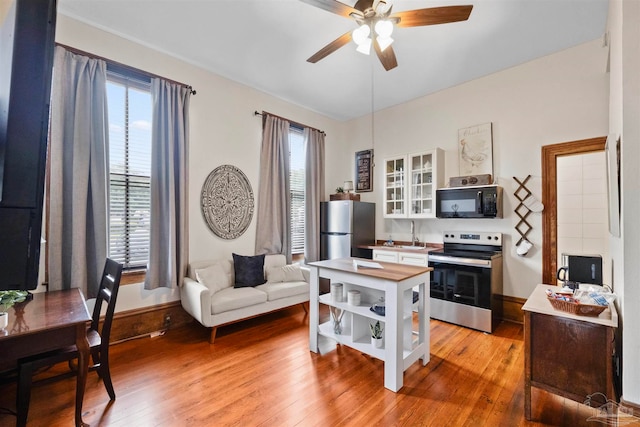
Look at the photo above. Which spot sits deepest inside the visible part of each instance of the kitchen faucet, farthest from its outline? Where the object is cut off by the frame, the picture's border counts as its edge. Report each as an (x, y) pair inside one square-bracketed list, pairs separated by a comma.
[(414, 239)]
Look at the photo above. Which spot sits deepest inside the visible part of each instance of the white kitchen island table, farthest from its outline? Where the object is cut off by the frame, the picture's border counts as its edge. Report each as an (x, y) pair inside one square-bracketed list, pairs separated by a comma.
[(395, 283)]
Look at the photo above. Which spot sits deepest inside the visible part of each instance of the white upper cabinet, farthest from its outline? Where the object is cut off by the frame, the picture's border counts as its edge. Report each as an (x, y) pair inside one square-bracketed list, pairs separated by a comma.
[(410, 184), (426, 175), (395, 194)]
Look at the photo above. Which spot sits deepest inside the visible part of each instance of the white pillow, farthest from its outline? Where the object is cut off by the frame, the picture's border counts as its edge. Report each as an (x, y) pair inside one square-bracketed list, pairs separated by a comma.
[(213, 277), (287, 273)]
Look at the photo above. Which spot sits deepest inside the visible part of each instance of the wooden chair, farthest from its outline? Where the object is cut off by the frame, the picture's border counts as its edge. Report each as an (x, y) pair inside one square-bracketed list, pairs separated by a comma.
[(98, 344)]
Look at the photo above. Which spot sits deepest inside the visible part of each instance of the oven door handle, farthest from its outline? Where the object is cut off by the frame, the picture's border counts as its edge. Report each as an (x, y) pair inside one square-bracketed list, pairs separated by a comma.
[(461, 261)]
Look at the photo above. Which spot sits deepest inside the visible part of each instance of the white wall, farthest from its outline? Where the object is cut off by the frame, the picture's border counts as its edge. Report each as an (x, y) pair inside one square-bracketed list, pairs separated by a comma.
[(223, 130), (557, 98), (624, 110)]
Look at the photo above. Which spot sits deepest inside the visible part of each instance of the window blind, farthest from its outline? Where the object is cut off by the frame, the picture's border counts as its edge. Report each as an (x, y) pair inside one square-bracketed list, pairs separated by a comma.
[(297, 185), (129, 104)]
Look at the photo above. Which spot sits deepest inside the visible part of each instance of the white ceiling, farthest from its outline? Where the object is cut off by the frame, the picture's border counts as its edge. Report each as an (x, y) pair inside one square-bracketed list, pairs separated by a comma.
[(265, 43)]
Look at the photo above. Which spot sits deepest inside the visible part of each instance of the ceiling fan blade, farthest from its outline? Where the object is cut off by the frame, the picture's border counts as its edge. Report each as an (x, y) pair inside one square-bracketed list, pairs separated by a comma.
[(387, 56), (331, 47), (333, 6), (432, 16)]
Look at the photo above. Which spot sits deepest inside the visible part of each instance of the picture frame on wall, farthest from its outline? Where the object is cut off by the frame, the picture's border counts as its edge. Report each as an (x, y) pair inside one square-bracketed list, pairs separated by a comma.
[(475, 150), (364, 171)]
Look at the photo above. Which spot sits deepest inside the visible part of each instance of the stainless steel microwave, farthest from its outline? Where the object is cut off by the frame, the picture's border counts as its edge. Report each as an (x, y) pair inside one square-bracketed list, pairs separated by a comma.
[(469, 202)]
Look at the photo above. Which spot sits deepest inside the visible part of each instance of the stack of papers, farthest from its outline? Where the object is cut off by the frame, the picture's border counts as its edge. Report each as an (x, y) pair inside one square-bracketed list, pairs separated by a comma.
[(366, 264)]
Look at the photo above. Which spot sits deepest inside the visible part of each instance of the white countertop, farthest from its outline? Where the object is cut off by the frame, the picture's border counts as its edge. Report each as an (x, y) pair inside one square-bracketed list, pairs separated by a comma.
[(538, 303)]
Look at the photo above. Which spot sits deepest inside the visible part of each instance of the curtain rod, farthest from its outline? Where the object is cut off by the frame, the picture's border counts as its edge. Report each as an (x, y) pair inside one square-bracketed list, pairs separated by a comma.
[(256, 113), (125, 67)]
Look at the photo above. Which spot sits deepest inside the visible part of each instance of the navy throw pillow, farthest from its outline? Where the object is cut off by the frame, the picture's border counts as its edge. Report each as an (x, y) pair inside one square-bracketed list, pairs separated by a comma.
[(249, 270)]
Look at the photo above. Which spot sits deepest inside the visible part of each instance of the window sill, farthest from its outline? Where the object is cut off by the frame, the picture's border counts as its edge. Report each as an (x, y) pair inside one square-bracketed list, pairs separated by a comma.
[(133, 277)]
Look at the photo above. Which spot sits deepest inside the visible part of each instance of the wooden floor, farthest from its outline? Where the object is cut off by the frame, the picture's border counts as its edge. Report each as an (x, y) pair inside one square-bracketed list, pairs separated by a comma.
[(261, 373)]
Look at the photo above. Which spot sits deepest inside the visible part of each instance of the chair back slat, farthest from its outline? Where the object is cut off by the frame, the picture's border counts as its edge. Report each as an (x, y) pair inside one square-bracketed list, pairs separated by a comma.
[(108, 293)]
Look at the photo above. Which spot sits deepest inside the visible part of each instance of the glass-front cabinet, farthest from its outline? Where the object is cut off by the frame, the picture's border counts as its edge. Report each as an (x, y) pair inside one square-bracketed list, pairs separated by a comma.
[(425, 177), (410, 184), (395, 195)]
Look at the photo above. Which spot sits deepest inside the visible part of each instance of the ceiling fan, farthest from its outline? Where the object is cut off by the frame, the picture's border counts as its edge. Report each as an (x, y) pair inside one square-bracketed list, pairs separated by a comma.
[(375, 25)]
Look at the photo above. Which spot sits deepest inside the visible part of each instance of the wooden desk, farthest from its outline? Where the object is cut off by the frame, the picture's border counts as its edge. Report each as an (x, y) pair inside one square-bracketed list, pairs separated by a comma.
[(567, 354), (49, 321), (395, 282)]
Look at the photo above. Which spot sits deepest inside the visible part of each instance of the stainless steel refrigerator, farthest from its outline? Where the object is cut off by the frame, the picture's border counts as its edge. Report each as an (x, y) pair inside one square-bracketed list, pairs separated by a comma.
[(344, 225)]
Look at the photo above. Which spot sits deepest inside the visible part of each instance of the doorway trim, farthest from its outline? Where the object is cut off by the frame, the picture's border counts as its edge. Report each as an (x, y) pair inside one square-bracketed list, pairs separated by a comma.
[(550, 153)]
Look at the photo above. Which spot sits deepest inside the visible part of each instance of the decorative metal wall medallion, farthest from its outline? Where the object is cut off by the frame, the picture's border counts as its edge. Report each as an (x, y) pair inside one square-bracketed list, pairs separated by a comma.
[(227, 202)]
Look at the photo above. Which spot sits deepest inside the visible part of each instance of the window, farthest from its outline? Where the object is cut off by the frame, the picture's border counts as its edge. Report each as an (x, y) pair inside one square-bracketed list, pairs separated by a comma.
[(297, 184), (129, 104)]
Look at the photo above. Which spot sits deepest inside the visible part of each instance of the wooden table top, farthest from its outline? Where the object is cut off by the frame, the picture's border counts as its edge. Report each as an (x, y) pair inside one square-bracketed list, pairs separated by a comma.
[(389, 271), (46, 311)]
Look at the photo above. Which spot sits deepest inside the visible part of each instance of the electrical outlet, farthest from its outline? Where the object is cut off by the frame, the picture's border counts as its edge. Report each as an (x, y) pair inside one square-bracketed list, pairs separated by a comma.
[(167, 321)]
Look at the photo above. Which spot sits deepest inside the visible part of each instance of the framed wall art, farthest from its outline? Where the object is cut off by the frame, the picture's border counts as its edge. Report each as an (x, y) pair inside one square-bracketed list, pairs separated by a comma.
[(226, 201), (475, 150), (364, 171)]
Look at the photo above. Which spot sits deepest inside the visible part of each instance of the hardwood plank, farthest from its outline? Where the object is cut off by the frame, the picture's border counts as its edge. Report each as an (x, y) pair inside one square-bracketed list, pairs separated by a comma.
[(261, 373)]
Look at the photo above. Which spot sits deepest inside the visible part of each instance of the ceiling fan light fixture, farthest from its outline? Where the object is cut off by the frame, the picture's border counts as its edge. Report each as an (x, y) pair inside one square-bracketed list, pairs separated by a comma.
[(384, 42), (365, 46), (384, 28), (361, 34)]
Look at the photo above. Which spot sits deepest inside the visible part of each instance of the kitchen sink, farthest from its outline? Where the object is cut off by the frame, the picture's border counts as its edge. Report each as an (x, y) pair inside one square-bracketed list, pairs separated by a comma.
[(411, 247)]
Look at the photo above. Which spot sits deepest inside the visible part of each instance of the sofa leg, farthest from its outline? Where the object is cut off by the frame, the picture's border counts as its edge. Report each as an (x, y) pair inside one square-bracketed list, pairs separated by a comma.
[(212, 337)]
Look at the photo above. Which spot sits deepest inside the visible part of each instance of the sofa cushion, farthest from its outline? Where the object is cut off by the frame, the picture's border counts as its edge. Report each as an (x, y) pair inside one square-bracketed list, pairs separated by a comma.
[(280, 290), (274, 260), (213, 277), (233, 298), (249, 270), (226, 264), (286, 273)]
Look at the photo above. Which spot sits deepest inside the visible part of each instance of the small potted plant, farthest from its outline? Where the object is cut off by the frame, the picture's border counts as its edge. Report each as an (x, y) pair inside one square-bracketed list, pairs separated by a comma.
[(7, 300), (340, 194), (376, 334)]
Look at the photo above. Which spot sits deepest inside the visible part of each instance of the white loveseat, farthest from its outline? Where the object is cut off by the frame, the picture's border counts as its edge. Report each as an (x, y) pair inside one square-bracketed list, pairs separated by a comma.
[(208, 293)]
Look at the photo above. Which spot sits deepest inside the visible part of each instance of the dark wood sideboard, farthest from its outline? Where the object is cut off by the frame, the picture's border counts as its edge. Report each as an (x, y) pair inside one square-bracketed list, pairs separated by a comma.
[(567, 354)]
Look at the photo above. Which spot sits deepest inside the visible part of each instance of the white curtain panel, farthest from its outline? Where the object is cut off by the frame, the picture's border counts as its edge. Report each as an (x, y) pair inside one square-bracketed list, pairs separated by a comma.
[(273, 220), (168, 240), (314, 192), (78, 173)]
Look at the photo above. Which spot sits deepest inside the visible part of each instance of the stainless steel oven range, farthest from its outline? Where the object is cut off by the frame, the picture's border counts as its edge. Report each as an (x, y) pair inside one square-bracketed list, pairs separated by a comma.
[(467, 279)]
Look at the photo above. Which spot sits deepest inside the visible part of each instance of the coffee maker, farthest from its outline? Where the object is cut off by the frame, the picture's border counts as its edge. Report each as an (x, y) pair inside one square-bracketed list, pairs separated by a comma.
[(580, 269)]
